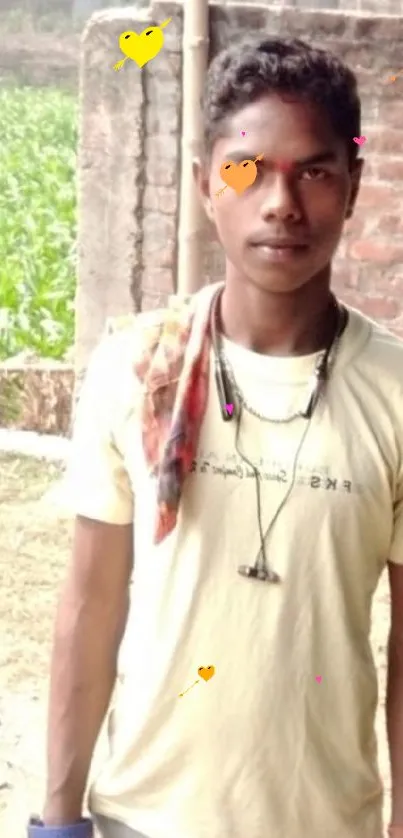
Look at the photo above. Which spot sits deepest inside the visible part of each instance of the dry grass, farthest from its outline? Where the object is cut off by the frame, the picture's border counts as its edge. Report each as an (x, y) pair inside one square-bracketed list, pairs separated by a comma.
[(34, 549)]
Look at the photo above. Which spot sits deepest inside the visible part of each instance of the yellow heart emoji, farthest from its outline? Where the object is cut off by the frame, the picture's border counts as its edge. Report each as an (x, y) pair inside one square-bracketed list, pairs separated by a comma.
[(142, 48), (206, 672)]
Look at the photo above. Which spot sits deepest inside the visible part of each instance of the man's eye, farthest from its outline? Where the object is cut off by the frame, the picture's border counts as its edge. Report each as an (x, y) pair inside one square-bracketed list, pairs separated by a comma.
[(314, 173)]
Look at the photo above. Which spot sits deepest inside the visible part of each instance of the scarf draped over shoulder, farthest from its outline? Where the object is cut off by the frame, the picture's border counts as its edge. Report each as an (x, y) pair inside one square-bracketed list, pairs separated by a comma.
[(172, 363)]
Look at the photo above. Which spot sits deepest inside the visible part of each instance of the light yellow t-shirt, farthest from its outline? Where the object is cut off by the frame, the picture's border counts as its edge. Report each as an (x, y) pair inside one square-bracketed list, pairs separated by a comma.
[(263, 749)]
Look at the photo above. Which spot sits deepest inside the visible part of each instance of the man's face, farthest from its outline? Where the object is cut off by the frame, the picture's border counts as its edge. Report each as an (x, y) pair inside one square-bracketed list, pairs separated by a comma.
[(302, 194)]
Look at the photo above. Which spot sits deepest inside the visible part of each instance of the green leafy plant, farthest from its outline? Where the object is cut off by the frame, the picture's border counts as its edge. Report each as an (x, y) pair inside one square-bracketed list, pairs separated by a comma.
[(38, 129)]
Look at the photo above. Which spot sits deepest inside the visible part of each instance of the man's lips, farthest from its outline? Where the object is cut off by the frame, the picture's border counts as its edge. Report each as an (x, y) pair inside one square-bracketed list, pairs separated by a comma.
[(279, 243), (280, 250)]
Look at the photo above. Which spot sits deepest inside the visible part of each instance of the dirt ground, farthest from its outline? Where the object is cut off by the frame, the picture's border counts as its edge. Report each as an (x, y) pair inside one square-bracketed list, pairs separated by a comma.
[(34, 549)]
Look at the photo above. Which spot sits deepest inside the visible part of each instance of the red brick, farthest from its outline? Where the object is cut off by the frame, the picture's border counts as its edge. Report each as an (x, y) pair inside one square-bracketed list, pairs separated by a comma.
[(375, 195), (346, 274), (379, 281), (391, 112), (395, 285), (391, 225), (377, 307), (376, 251), (384, 139), (370, 169), (354, 226), (387, 169)]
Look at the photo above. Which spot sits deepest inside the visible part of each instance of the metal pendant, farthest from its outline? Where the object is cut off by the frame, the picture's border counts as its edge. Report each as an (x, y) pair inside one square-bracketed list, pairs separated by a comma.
[(259, 573)]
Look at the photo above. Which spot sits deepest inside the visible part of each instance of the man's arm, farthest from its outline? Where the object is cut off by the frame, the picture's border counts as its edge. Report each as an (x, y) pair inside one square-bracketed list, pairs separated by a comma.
[(394, 698), (93, 606), (89, 626)]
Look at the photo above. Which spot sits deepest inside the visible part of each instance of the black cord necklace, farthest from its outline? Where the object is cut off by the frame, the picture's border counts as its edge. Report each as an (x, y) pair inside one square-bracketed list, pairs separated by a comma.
[(227, 388), (261, 569)]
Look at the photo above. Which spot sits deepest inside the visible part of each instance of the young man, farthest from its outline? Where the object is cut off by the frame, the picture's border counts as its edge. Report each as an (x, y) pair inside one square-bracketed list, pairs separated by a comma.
[(260, 505)]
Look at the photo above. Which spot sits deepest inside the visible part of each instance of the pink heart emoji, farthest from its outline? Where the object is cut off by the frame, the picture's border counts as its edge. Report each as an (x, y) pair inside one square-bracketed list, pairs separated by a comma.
[(230, 408), (360, 140), (318, 678)]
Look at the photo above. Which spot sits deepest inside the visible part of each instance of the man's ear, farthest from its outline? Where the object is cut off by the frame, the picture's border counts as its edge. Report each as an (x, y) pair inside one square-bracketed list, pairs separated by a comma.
[(201, 176), (355, 176)]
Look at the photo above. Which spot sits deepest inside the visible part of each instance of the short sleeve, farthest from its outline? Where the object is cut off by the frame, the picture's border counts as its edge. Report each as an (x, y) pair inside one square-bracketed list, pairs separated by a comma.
[(396, 551), (96, 483)]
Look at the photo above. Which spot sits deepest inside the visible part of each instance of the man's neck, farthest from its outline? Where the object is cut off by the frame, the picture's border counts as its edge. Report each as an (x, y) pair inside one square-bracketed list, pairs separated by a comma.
[(278, 324)]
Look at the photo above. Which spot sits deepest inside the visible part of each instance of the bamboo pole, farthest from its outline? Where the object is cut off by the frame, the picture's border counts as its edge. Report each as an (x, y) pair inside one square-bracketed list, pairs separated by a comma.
[(192, 222)]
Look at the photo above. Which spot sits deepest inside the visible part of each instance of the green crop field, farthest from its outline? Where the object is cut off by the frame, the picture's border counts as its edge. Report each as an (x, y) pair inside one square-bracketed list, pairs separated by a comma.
[(38, 138)]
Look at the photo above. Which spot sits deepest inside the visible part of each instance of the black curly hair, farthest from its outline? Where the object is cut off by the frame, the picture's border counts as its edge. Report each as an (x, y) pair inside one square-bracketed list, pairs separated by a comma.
[(257, 65)]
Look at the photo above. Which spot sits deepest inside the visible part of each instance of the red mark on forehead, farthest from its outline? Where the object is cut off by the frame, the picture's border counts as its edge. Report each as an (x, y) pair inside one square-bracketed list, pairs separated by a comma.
[(284, 166)]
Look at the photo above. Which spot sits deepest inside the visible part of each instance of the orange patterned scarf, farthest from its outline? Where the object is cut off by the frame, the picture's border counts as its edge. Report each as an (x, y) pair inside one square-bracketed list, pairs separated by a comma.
[(174, 369)]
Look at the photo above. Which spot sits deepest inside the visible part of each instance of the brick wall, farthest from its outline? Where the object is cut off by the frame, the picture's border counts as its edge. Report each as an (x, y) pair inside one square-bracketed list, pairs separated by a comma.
[(130, 162), (369, 266)]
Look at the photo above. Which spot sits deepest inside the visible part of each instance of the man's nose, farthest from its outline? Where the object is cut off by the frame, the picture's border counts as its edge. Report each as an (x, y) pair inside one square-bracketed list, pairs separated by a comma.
[(279, 199)]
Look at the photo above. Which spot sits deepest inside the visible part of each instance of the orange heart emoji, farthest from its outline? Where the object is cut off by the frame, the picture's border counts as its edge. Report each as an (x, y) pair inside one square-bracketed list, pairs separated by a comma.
[(206, 672), (239, 175)]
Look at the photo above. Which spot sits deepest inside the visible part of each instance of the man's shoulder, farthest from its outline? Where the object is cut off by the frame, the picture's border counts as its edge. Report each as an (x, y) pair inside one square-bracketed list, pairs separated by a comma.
[(380, 361), (140, 334), (129, 340), (144, 323), (128, 326), (385, 348)]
